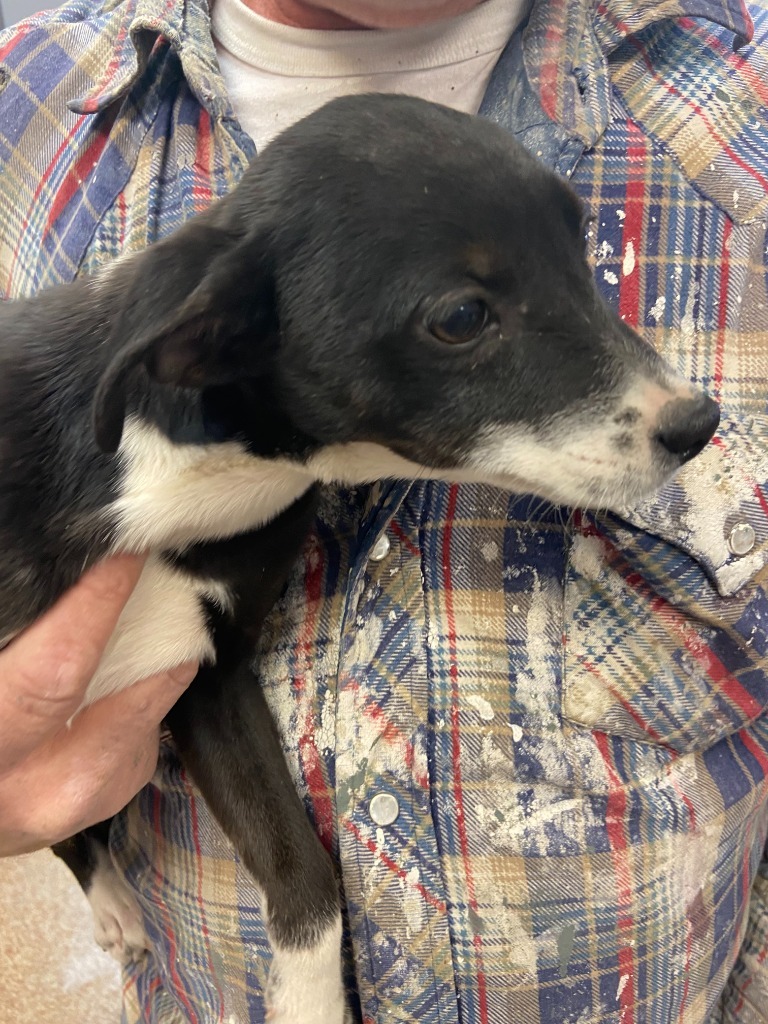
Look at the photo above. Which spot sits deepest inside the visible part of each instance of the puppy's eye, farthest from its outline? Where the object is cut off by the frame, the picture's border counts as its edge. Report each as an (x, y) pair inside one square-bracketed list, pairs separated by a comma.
[(461, 324)]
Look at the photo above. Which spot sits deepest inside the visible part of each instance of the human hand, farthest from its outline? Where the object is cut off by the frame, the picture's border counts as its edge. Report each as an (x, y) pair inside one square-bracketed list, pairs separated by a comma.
[(56, 779)]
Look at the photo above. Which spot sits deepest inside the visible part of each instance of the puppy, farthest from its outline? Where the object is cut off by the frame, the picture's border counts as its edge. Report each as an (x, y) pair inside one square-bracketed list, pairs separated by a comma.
[(393, 290)]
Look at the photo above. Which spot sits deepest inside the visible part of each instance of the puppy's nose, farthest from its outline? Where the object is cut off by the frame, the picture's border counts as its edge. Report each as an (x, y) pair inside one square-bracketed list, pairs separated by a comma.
[(686, 426)]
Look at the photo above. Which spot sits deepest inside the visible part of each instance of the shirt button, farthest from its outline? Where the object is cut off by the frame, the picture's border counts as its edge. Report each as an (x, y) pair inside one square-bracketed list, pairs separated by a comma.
[(741, 539), (384, 809), (380, 549)]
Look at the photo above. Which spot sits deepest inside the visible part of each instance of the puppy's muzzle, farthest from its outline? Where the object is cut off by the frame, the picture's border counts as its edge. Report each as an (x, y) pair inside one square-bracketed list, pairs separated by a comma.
[(686, 425)]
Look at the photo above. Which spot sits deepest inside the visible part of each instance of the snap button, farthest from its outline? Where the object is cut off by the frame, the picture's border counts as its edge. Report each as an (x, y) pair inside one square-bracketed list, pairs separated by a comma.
[(741, 539), (384, 808), (380, 549)]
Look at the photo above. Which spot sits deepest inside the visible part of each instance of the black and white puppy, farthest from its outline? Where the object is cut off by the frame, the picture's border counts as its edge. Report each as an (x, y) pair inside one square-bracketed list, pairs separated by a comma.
[(393, 290)]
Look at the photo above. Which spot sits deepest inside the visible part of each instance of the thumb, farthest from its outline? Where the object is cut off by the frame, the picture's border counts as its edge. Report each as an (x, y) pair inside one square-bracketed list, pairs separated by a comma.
[(115, 730), (45, 671)]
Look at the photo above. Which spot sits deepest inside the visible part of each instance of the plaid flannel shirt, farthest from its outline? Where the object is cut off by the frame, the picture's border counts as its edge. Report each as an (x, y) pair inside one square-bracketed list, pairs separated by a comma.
[(568, 709)]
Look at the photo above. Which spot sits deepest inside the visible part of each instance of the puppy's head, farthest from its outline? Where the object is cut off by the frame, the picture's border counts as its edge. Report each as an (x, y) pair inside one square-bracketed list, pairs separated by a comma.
[(410, 288)]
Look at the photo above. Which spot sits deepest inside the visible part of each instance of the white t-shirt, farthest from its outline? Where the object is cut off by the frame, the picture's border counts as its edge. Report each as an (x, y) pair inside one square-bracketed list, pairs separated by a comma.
[(276, 74)]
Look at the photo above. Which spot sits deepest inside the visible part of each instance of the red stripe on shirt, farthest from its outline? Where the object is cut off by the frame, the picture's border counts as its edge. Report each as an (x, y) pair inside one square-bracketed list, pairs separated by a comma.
[(634, 195), (678, 624), (65, 143), (550, 69), (615, 816), (309, 755), (80, 170), (92, 104), (202, 193), (390, 732), (212, 973), (761, 498), (22, 32), (173, 959), (404, 539), (728, 685)]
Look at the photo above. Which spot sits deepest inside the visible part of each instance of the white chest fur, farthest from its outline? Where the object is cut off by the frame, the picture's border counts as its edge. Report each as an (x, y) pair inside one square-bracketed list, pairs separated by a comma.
[(173, 496)]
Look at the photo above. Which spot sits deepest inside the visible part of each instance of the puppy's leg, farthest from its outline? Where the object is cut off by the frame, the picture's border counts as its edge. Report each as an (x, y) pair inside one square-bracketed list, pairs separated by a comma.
[(118, 924), (228, 742)]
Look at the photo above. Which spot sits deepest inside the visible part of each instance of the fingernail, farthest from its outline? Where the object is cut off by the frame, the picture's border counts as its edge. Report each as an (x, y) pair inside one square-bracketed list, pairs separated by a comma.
[(184, 674)]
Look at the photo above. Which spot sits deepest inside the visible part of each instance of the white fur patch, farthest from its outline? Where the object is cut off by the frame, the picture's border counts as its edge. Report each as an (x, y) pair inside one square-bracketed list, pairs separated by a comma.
[(118, 924), (362, 462), (162, 625), (175, 495), (568, 469), (305, 985)]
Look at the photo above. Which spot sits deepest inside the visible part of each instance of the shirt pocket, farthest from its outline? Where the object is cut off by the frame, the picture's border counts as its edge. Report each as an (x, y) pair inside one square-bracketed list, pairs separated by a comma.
[(651, 651)]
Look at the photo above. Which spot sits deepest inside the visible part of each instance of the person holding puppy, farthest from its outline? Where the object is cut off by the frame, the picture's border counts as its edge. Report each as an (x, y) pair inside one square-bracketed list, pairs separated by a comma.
[(534, 741)]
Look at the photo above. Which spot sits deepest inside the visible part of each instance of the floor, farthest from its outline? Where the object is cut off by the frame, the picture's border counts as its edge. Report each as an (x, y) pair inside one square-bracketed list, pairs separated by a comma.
[(51, 970)]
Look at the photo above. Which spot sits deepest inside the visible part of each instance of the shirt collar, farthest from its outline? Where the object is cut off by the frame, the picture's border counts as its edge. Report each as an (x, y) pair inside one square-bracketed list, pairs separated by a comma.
[(567, 43), (134, 30), (618, 19)]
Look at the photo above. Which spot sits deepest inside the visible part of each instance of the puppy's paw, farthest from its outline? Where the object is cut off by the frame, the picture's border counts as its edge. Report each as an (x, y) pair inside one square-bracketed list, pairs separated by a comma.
[(118, 924), (306, 1005), (119, 930), (317, 1015), (305, 984)]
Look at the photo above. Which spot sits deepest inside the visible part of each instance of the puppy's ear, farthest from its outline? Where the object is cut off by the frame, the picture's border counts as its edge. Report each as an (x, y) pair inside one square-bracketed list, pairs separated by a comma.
[(197, 310)]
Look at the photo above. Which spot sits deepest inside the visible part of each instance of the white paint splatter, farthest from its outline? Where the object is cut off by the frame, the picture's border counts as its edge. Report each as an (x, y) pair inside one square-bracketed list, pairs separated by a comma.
[(657, 309), (326, 731), (610, 277), (490, 551), (623, 979), (481, 705), (413, 901), (588, 557), (735, 575), (517, 732), (687, 323), (628, 265), (604, 252)]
